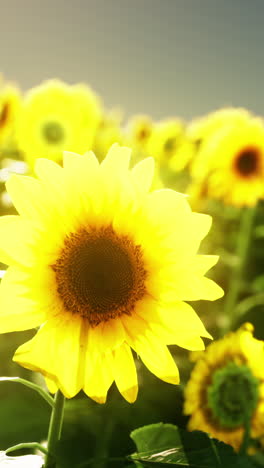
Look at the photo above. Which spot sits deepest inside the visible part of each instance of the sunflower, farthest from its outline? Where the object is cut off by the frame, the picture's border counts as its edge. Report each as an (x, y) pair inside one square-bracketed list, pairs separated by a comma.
[(230, 164), (139, 130), (108, 132), (165, 140), (226, 388), (9, 110), (200, 129), (103, 266), (57, 117)]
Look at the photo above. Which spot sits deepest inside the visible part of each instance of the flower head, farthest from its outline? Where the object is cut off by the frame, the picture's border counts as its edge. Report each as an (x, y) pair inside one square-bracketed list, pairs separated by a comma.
[(226, 388), (165, 140), (103, 265), (57, 117), (139, 130), (200, 129), (108, 132), (230, 163)]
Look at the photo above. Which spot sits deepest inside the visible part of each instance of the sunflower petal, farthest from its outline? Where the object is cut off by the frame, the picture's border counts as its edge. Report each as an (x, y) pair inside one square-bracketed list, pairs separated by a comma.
[(52, 387), (48, 353), (18, 310), (157, 359), (17, 235), (142, 175), (187, 286), (27, 195), (203, 263), (48, 171), (106, 336), (125, 373), (98, 376), (117, 160)]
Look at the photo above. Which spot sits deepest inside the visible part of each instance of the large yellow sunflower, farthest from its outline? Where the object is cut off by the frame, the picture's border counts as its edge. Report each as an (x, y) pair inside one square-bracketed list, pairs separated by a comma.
[(57, 117), (230, 164), (105, 266), (227, 386)]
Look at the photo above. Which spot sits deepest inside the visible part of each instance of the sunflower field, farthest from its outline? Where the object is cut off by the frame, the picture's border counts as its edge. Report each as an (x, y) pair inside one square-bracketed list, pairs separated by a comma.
[(131, 284)]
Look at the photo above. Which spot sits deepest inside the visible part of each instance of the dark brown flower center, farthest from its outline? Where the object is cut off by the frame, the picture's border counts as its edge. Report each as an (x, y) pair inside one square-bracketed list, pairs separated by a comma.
[(247, 162), (4, 113), (100, 275)]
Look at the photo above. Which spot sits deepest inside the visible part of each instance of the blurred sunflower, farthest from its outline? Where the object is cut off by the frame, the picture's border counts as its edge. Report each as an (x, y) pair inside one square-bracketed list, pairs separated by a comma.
[(199, 129), (226, 388), (109, 131), (105, 266), (10, 101), (165, 140), (57, 117), (183, 157), (139, 130), (230, 164)]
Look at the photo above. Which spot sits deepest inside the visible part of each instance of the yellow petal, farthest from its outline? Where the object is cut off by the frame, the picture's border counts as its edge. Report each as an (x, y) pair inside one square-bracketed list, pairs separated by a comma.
[(201, 224), (18, 310), (157, 359), (87, 162), (167, 204), (48, 171), (98, 376), (187, 286), (71, 160), (202, 263), (48, 353), (190, 342), (106, 336), (117, 160), (17, 236), (52, 387), (142, 175), (27, 195), (178, 318), (125, 373)]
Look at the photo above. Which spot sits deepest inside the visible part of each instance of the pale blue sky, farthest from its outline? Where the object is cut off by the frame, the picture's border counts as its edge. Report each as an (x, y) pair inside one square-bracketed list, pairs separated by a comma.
[(162, 57)]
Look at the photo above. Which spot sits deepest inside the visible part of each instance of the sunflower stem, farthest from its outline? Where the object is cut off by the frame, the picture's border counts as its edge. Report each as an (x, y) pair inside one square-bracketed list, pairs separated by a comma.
[(31, 385), (243, 242), (246, 438), (55, 427)]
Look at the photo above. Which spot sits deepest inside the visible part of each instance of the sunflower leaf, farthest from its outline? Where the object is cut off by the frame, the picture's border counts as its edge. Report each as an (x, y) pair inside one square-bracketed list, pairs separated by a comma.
[(164, 445)]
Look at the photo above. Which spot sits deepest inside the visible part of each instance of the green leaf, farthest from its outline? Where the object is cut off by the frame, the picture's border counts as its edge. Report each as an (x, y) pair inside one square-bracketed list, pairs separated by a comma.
[(155, 437), (164, 445)]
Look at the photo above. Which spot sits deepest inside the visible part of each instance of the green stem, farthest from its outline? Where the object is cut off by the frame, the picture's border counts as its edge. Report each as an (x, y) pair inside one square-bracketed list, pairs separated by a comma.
[(31, 385), (100, 459), (55, 429), (243, 242), (27, 445), (246, 438)]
